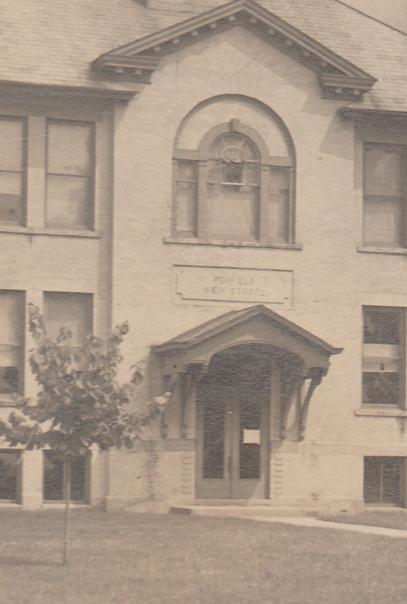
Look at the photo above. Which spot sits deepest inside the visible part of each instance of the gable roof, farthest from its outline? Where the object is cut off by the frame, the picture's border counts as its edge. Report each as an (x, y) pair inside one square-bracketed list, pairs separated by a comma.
[(233, 318), (33, 52), (140, 58)]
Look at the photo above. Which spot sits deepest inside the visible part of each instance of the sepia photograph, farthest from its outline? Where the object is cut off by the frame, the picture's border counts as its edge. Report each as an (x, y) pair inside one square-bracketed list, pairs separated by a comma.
[(203, 302)]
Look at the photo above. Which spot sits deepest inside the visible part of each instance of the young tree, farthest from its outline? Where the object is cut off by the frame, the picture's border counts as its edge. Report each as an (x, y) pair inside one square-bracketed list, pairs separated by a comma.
[(80, 402)]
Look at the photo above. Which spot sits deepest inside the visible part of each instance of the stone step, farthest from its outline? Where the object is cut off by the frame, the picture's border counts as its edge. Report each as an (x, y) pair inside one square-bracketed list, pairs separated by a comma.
[(247, 511)]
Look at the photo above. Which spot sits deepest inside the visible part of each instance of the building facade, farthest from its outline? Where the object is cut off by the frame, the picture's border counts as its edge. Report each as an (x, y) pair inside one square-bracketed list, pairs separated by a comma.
[(230, 179)]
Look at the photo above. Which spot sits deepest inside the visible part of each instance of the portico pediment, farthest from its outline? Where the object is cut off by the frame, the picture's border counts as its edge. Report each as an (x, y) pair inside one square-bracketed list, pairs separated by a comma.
[(139, 59)]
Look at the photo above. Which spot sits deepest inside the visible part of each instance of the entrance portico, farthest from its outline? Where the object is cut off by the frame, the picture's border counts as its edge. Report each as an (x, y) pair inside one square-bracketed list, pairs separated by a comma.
[(241, 382)]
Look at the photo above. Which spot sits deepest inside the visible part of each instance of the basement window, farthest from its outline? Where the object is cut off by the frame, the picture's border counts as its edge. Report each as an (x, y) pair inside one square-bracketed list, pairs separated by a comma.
[(54, 478), (9, 475), (383, 480)]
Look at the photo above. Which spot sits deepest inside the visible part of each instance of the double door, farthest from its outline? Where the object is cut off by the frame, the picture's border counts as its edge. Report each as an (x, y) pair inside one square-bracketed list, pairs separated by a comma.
[(232, 431)]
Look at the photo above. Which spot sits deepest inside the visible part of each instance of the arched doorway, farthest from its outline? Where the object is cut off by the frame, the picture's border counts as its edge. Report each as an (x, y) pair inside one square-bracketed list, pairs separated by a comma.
[(233, 406)]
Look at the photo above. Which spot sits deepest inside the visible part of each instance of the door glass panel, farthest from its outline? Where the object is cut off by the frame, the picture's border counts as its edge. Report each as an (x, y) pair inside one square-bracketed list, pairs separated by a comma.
[(213, 438), (249, 444)]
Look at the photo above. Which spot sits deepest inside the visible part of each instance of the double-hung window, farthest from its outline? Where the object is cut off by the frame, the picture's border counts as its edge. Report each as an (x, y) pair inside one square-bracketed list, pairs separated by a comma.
[(69, 175), (47, 172), (383, 356), (11, 342), (12, 170), (385, 192)]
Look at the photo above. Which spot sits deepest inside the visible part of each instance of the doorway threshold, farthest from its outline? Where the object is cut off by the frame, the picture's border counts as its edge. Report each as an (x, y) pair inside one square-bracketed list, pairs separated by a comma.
[(233, 502), (246, 510)]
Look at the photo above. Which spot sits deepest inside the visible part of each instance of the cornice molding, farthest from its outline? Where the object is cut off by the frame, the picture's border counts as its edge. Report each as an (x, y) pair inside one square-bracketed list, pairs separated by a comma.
[(362, 116), (83, 92), (139, 59)]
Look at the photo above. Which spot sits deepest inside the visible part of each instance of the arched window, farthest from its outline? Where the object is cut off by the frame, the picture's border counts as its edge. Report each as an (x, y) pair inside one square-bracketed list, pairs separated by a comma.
[(231, 190)]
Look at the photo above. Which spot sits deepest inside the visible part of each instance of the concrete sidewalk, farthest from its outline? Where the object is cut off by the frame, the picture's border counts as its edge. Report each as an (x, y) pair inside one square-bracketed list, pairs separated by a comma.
[(355, 528)]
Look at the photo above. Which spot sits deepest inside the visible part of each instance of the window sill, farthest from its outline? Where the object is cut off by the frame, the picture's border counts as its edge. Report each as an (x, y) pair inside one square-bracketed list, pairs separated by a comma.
[(48, 232), (231, 243), (6, 401), (368, 249), (381, 412), (52, 505)]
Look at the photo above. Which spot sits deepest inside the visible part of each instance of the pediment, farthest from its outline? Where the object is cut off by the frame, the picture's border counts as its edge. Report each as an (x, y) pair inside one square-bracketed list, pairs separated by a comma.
[(137, 60), (256, 324)]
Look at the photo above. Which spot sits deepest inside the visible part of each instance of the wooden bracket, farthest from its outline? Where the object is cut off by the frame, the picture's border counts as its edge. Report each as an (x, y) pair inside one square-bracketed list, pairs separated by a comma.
[(190, 379), (295, 395)]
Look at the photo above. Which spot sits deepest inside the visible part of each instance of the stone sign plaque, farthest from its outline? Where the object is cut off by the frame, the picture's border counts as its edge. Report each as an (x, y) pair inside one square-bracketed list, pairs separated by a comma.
[(222, 284)]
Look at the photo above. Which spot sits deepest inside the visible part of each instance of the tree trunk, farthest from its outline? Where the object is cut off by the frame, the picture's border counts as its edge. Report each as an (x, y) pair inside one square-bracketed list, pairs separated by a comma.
[(67, 497)]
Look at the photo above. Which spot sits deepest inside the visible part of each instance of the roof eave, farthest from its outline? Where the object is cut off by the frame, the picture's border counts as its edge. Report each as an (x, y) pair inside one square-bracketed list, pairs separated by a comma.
[(83, 92), (362, 115)]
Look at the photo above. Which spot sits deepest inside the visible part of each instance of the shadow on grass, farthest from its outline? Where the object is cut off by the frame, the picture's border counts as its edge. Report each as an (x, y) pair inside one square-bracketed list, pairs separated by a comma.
[(17, 561)]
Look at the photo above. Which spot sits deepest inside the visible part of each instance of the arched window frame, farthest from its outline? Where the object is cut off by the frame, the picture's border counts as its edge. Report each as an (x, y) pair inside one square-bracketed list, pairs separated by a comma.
[(200, 160)]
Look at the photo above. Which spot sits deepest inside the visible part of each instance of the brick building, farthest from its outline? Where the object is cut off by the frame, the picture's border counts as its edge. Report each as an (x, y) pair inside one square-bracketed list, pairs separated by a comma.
[(230, 178)]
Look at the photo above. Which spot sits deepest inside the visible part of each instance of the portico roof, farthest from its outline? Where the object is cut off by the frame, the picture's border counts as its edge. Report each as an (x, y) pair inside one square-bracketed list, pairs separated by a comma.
[(233, 319)]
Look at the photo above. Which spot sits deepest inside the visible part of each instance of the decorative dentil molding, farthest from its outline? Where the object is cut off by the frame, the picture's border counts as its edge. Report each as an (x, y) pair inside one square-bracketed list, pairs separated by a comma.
[(138, 60)]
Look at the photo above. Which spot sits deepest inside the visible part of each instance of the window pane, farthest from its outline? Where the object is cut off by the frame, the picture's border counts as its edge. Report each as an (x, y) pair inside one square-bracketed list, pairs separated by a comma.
[(382, 221), (11, 333), (54, 478), (382, 325), (251, 173), (11, 202), (249, 419), (11, 144), (10, 317), (185, 209), (372, 480), (383, 171), (279, 200), (78, 479), (383, 480), (68, 310), (9, 474), (232, 212), (69, 148), (381, 388), (68, 201), (237, 160), (392, 480)]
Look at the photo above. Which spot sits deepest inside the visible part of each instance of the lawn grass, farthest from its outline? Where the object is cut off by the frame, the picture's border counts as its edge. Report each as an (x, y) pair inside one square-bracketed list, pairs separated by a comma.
[(169, 559), (396, 519)]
